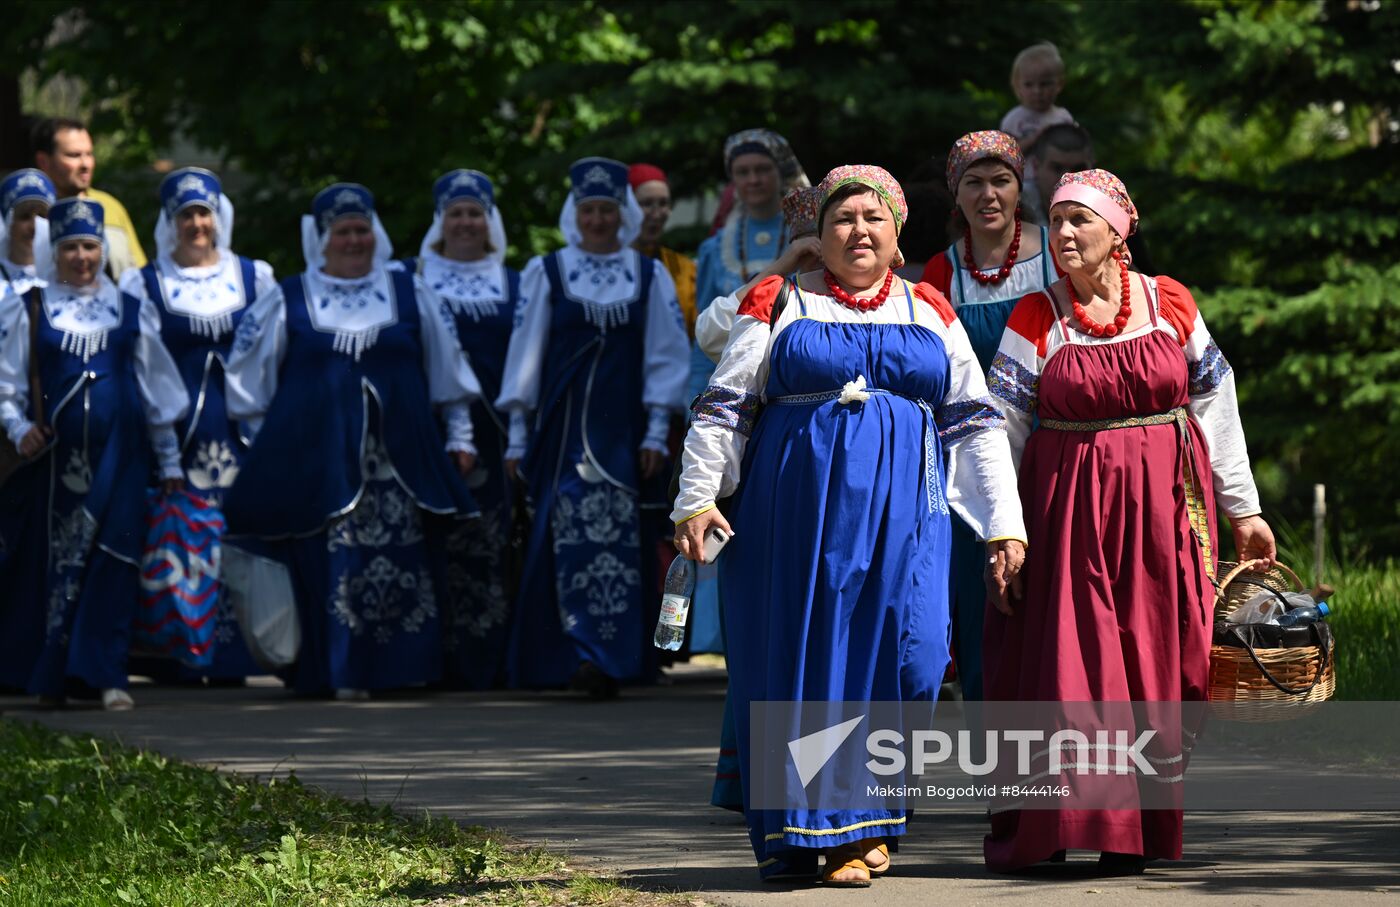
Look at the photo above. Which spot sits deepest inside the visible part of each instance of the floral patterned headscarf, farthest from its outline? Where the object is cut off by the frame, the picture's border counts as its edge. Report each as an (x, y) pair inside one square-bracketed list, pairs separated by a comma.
[(800, 209), (1100, 192), (979, 146), (872, 177), (765, 141), (875, 178)]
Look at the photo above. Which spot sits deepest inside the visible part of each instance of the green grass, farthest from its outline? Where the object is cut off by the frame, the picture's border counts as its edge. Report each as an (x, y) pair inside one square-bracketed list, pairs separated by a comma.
[(85, 821), (1366, 624)]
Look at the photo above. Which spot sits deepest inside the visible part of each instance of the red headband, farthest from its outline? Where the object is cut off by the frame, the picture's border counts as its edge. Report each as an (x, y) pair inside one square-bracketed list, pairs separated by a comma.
[(645, 173)]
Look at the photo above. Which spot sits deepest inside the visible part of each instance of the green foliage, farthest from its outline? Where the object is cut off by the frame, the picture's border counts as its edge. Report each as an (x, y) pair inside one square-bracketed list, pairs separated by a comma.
[(1260, 153), (1258, 138), (85, 821)]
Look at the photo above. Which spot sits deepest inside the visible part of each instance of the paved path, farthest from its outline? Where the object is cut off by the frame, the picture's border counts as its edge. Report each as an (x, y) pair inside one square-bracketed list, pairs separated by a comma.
[(625, 783)]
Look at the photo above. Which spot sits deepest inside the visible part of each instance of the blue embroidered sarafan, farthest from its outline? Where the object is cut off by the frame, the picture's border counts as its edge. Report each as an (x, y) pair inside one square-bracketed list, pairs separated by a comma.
[(1207, 374), (728, 407), (1011, 381)]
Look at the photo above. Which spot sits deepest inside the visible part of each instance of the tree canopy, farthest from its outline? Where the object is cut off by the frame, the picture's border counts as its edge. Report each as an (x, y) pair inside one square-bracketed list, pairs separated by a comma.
[(1258, 139)]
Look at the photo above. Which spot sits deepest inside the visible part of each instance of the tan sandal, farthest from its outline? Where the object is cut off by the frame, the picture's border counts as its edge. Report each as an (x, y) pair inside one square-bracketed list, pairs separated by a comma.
[(876, 871), (839, 859)]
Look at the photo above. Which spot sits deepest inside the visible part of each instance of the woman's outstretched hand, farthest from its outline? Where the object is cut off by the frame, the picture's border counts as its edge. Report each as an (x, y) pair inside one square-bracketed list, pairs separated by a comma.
[(1003, 574), (690, 535)]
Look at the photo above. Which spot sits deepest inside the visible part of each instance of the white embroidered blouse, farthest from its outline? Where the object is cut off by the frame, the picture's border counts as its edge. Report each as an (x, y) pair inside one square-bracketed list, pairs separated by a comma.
[(605, 285), (85, 316), (981, 482), (354, 310)]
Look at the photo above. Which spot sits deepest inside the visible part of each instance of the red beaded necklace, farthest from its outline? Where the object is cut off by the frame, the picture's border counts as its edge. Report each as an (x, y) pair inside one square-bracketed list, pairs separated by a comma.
[(1005, 270), (851, 302), (1125, 306)]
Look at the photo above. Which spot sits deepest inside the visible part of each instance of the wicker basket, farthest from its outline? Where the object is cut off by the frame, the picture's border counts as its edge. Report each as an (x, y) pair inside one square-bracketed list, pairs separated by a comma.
[(1262, 684)]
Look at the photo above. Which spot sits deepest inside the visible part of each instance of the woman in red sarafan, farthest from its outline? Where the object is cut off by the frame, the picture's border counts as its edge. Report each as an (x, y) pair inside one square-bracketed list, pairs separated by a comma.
[(1138, 441)]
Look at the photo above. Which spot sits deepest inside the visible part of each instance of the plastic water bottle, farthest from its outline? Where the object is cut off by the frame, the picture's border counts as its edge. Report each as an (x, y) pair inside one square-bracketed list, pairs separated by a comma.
[(1307, 615), (675, 604)]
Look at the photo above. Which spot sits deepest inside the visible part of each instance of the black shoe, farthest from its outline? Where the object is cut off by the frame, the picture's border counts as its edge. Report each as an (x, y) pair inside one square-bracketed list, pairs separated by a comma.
[(1121, 864), (1057, 857), (590, 680)]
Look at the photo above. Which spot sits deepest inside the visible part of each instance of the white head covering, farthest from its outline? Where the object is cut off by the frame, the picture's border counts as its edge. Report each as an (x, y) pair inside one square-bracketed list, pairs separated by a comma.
[(330, 205), (168, 233), (66, 219), (42, 251), (630, 229), (19, 187), (495, 232), (313, 243)]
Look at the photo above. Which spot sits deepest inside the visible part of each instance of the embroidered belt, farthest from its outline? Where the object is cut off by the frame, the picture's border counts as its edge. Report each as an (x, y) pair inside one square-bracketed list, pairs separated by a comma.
[(853, 394), (1195, 498)]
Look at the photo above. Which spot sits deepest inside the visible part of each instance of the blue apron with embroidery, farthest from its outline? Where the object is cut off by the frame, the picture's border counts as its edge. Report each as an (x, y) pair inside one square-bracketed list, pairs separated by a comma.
[(580, 595), (211, 449), (305, 467), (99, 468), (476, 610)]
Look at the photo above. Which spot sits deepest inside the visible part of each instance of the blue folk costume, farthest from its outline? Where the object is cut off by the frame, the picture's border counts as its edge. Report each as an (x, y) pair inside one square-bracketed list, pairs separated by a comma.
[(111, 395), (338, 379), (481, 295), (33, 187), (983, 309), (877, 423), (199, 309), (23, 537), (598, 355)]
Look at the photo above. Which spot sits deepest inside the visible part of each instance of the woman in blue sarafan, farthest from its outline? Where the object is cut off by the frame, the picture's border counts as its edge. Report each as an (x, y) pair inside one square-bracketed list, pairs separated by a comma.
[(599, 355), (877, 423), (462, 260), (25, 197), (112, 395), (337, 373), (200, 290)]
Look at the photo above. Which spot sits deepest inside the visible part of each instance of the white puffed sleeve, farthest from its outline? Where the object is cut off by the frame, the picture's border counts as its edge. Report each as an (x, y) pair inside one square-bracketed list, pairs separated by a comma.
[(666, 347), (14, 368), (666, 355), (452, 385), (1212, 401), (259, 346), (132, 284), (162, 390), (724, 414), (264, 280), (520, 382), (518, 435), (713, 325), (981, 477)]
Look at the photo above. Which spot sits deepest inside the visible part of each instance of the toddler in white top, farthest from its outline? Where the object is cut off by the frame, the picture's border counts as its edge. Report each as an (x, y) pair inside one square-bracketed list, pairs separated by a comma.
[(1037, 78)]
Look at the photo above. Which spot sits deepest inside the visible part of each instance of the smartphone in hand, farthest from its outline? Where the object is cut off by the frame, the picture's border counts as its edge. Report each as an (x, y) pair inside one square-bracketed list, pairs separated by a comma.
[(715, 540)]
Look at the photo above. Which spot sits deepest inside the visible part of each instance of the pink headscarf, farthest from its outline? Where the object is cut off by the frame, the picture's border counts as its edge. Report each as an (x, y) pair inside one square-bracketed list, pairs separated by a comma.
[(1100, 192)]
